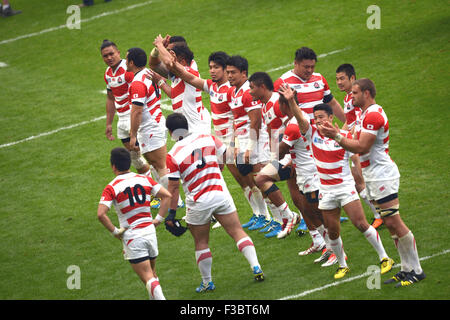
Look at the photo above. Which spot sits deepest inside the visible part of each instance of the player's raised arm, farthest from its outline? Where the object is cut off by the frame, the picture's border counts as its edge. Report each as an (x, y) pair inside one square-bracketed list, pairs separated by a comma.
[(288, 94)]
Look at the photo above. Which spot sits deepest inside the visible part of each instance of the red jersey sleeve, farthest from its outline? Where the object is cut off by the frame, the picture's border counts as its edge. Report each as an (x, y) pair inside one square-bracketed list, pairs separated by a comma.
[(108, 195), (373, 121), (172, 167), (129, 76), (138, 93)]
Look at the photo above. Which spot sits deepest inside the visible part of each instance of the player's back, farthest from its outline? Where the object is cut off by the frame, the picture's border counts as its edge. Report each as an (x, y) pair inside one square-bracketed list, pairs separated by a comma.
[(194, 160), (131, 195)]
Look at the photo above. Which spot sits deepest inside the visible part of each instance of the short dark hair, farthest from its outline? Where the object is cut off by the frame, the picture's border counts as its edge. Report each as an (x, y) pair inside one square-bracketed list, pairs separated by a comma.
[(324, 107), (366, 85), (120, 158), (183, 51), (239, 62), (220, 58), (138, 56), (176, 121), (348, 69), (107, 43), (305, 53), (173, 39), (262, 78)]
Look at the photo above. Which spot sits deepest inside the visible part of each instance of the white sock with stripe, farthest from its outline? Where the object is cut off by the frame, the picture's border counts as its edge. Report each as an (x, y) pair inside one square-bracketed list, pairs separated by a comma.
[(246, 246), (204, 263), (338, 249), (374, 239), (154, 289)]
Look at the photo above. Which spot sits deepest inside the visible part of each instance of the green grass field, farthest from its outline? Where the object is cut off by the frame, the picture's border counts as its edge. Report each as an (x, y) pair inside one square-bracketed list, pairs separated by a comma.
[(51, 184)]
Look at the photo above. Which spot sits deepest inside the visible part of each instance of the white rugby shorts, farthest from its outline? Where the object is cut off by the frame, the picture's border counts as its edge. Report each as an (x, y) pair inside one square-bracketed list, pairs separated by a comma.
[(329, 200), (307, 184), (200, 217), (380, 189), (152, 139), (123, 128), (141, 247)]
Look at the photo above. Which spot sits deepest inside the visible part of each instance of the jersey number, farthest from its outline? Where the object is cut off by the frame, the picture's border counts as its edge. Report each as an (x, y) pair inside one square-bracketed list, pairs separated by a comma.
[(197, 154), (139, 198)]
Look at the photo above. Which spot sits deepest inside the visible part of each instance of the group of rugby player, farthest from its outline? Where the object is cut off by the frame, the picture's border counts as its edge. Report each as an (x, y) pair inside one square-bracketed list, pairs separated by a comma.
[(264, 132)]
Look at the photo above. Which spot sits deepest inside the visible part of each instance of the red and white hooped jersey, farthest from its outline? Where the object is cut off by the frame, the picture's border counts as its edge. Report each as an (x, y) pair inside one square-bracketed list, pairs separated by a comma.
[(187, 100), (309, 93), (143, 92), (130, 193), (377, 164), (273, 117), (352, 113), (117, 81), (222, 115), (332, 161), (300, 149), (194, 160), (241, 103)]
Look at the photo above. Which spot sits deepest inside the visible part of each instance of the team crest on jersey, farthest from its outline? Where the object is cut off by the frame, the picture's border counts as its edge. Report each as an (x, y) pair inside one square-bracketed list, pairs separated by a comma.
[(119, 80), (316, 85), (318, 140)]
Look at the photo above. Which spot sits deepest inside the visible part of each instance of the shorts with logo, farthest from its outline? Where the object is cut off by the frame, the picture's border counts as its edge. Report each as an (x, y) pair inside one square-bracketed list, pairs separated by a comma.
[(200, 217), (307, 184), (337, 198), (145, 245), (380, 189), (150, 140)]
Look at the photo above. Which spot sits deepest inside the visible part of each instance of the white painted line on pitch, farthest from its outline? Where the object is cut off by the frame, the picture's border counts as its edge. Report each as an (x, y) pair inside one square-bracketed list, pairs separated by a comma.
[(104, 14), (3, 64), (366, 274), (163, 106), (52, 132)]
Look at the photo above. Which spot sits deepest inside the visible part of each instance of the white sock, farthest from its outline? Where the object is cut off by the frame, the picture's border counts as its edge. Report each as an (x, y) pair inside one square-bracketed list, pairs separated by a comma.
[(204, 263), (246, 246), (338, 250), (316, 237), (259, 200), (408, 245), (404, 266), (154, 289), (251, 200), (274, 210), (285, 212), (374, 239), (324, 232)]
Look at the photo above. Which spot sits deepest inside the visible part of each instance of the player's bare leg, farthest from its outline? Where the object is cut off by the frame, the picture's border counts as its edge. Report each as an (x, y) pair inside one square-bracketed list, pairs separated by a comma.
[(145, 272), (157, 159), (203, 256), (244, 243), (355, 212)]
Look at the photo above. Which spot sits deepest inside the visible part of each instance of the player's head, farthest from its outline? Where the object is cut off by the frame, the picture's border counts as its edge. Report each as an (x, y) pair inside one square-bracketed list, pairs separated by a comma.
[(120, 159), (363, 92), (136, 59), (322, 112), (184, 54), (110, 53), (237, 70), (304, 62), (345, 75), (261, 86), (177, 125), (217, 62), (175, 41)]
